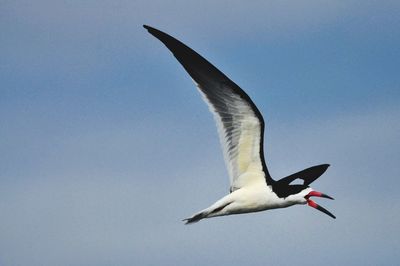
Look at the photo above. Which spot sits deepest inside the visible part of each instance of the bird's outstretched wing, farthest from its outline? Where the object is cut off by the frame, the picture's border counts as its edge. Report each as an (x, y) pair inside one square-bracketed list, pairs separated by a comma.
[(240, 123)]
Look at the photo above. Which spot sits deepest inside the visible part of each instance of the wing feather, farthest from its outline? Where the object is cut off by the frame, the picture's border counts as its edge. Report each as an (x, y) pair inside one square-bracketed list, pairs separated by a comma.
[(239, 122)]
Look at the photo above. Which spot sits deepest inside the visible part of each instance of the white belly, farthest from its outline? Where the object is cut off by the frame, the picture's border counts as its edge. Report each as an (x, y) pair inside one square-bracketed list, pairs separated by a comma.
[(252, 199)]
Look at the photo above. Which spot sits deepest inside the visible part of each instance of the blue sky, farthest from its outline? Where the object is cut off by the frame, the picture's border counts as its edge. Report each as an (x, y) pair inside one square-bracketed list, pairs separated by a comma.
[(106, 145)]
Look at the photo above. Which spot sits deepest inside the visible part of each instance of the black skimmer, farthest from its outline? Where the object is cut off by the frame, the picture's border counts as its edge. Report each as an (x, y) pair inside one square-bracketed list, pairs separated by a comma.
[(241, 132)]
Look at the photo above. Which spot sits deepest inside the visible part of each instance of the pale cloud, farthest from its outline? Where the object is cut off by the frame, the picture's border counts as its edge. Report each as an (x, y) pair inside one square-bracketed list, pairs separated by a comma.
[(90, 21), (94, 215)]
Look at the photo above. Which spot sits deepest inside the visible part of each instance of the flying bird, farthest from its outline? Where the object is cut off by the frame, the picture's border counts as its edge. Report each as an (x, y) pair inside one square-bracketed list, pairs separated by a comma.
[(241, 132)]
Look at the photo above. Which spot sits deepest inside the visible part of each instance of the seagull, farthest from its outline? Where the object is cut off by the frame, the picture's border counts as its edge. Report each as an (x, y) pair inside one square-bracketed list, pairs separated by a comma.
[(241, 133)]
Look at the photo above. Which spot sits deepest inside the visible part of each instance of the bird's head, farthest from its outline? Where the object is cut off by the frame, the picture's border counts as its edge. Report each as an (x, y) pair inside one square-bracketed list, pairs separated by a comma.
[(312, 203), (303, 197), (312, 193)]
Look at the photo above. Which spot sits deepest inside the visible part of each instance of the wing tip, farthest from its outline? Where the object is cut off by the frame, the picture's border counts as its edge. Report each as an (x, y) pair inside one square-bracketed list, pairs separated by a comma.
[(149, 29), (155, 32), (168, 40), (324, 167)]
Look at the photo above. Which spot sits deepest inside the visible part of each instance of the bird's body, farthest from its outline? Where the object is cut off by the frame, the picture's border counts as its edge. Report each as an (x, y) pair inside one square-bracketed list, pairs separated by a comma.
[(253, 198), (241, 130)]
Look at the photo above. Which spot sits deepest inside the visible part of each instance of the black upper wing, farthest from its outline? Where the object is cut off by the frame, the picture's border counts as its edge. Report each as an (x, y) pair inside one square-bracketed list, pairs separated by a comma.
[(308, 175)]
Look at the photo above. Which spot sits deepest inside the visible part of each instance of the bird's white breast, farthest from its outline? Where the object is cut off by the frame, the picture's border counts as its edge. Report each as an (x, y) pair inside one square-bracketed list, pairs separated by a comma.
[(254, 198)]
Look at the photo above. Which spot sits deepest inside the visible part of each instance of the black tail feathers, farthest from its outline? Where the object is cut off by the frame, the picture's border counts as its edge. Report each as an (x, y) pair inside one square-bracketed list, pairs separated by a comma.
[(195, 218)]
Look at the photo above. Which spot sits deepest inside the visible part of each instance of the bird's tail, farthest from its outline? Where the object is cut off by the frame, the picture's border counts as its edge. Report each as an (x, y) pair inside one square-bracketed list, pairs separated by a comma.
[(195, 218), (214, 210)]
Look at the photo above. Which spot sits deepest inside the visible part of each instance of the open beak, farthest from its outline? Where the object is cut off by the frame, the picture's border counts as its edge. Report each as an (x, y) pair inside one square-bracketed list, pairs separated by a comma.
[(315, 205)]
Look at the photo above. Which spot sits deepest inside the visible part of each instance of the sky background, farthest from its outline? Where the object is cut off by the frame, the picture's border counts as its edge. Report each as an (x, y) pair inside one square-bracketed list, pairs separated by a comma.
[(105, 144)]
